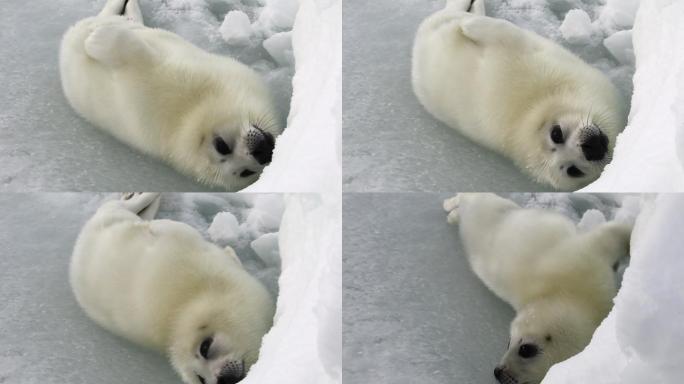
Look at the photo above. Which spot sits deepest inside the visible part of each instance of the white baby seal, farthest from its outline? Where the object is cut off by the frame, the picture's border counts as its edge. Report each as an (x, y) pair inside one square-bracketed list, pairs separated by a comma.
[(517, 93), (160, 284), (560, 282), (208, 116)]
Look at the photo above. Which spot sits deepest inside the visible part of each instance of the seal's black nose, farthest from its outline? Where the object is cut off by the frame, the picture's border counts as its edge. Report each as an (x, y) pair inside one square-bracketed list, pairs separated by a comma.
[(232, 373), (261, 145), (497, 372), (595, 147)]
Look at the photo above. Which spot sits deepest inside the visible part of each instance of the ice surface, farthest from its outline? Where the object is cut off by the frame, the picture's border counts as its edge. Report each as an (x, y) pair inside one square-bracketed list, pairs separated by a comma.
[(44, 145), (308, 155), (44, 336), (641, 339), (647, 155), (413, 308), (236, 28), (576, 27)]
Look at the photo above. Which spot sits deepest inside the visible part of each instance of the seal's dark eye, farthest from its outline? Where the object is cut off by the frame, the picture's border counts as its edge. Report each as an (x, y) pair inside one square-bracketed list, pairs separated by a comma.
[(527, 351), (200, 378), (221, 146), (575, 172), (557, 134), (204, 347)]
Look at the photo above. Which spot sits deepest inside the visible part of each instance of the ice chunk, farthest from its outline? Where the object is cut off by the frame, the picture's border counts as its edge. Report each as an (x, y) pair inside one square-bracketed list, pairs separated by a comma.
[(619, 45), (619, 13), (279, 46), (225, 228), (266, 247), (236, 28), (279, 14), (576, 27), (591, 219), (264, 216)]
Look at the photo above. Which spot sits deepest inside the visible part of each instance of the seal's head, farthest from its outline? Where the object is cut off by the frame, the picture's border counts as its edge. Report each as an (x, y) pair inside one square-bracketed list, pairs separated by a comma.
[(541, 335), (232, 142), (217, 336), (576, 148)]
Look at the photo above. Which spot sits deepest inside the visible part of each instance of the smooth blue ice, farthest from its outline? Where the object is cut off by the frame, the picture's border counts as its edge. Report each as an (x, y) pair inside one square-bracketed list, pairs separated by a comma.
[(46, 146)]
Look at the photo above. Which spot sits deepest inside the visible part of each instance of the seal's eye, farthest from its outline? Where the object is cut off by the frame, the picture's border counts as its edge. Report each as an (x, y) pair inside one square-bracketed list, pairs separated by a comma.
[(221, 146), (527, 351), (204, 347), (557, 134), (200, 378), (575, 172)]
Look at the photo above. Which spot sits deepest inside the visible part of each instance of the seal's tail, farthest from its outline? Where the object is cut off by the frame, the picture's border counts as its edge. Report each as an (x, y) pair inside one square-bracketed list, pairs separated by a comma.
[(128, 8), (473, 6)]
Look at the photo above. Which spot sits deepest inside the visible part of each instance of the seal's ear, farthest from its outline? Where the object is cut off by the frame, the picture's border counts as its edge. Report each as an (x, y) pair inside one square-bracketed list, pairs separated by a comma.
[(232, 255)]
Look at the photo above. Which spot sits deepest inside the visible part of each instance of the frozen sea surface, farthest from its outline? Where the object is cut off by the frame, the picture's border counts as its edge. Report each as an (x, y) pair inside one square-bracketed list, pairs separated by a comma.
[(44, 336), (392, 144), (414, 310), (46, 146)]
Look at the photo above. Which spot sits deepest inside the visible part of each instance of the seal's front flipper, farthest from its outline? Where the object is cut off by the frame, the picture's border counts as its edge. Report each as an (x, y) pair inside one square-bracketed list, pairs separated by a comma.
[(144, 205), (132, 11)]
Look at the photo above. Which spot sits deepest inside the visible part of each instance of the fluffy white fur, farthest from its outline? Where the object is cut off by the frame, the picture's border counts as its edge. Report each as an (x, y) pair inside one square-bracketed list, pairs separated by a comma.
[(560, 282), (160, 284), (164, 96), (506, 88)]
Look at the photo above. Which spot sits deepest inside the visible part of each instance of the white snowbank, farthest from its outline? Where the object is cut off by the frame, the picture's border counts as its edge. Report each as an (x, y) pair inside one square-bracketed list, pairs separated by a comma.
[(648, 154), (307, 157), (305, 344), (640, 341)]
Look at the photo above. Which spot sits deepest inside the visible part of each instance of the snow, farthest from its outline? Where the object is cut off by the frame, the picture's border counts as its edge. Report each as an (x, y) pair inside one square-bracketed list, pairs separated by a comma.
[(304, 345), (308, 155), (641, 339), (236, 28), (413, 307), (647, 155), (392, 144), (44, 145)]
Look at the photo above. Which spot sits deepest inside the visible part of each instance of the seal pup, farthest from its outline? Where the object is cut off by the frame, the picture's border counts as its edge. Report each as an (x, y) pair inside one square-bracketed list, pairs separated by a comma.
[(207, 115)]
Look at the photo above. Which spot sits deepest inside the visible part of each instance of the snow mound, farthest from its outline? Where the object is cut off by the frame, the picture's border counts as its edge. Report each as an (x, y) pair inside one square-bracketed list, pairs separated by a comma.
[(305, 345), (640, 341), (307, 157), (279, 46), (647, 155), (619, 45)]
